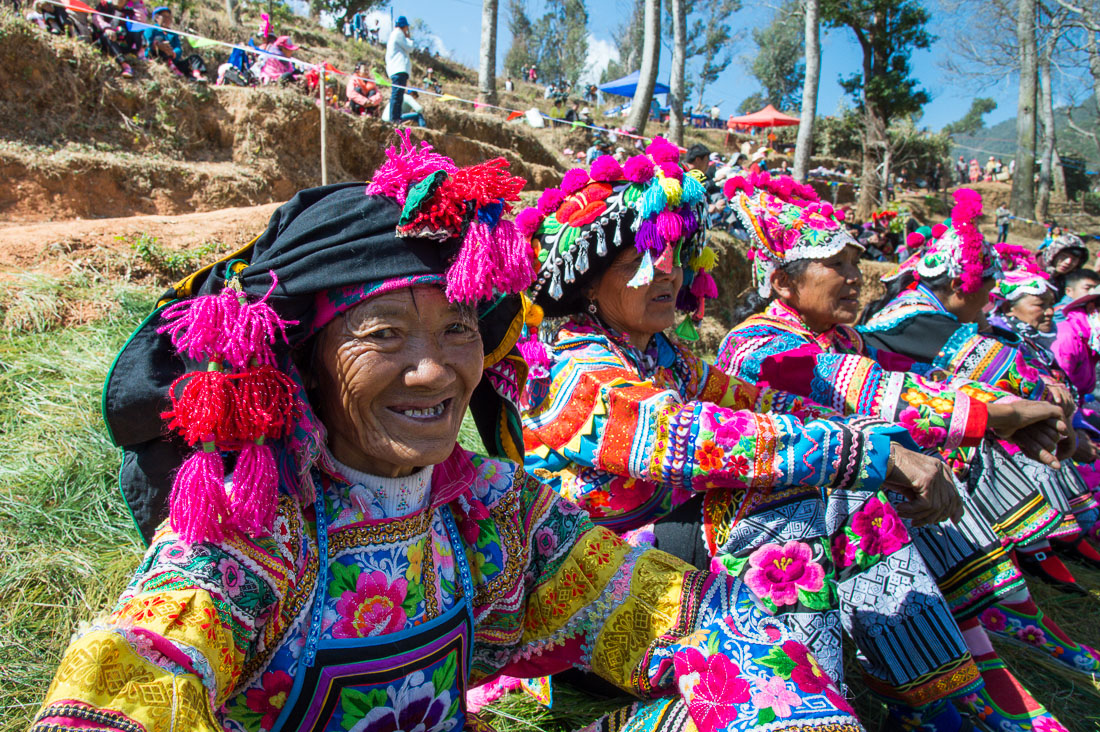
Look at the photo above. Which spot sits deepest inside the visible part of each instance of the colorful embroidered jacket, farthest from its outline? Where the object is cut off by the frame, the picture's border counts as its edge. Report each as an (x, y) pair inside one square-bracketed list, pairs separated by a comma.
[(629, 435), (211, 636), (837, 369), (916, 325)]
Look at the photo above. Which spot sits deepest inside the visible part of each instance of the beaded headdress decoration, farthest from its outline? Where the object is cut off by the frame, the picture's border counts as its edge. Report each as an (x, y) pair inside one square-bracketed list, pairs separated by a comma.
[(786, 222), (239, 400), (956, 249), (1021, 276), (588, 215)]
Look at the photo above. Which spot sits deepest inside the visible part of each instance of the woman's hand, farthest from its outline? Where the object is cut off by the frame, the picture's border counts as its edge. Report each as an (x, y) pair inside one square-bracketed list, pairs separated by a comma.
[(1059, 395), (928, 484), (1086, 450), (1037, 428)]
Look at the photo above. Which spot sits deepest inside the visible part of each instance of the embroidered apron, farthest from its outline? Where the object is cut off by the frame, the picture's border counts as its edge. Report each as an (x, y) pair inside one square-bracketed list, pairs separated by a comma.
[(413, 678)]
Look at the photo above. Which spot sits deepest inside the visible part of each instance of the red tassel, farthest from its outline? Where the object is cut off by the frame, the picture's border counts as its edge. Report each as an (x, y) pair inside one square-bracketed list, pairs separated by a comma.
[(265, 404), (255, 490), (197, 505), (203, 410)]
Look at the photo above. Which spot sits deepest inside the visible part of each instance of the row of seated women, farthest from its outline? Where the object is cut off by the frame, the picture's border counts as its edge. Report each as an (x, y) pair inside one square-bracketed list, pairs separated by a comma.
[(323, 556)]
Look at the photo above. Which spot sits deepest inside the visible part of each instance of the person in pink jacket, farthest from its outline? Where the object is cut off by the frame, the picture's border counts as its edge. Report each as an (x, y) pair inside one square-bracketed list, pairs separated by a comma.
[(1077, 346)]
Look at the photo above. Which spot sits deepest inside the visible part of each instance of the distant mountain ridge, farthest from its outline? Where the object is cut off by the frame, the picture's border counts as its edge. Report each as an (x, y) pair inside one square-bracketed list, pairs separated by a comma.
[(1000, 139)]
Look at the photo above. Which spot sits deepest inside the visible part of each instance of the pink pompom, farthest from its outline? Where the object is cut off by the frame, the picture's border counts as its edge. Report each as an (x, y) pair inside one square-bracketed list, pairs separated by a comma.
[(735, 184), (197, 505), (670, 226), (939, 230), (550, 200), (703, 285), (663, 151), (672, 170), (528, 221), (606, 169), (915, 239), (574, 180), (639, 169), (968, 204), (839, 214), (197, 325), (255, 490), (534, 352)]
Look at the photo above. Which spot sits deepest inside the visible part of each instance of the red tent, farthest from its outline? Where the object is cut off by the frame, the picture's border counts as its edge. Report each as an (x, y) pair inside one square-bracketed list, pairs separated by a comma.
[(769, 116)]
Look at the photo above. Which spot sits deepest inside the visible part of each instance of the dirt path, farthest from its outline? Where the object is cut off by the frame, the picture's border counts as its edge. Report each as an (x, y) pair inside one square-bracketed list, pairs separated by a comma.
[(48, 246)]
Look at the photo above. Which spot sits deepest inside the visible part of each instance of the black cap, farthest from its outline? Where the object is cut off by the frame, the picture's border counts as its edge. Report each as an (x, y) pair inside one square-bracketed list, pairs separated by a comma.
[(697, 151)]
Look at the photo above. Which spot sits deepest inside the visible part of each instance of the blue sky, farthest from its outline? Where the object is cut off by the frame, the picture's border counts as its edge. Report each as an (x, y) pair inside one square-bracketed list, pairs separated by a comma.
[(457, 24)]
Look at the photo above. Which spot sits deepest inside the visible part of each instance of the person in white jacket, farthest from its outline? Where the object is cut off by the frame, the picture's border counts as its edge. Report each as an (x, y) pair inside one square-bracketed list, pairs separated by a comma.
[(398, 66)]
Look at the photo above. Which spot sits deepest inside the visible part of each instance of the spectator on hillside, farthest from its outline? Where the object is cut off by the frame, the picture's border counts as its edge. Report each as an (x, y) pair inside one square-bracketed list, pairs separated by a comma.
[(1004, 216), (412, 110), (53, 18), (374, 31), (715, 117), (431, 83), (960, 170), (935, 175), (620, 155), (111, 33), (557, 112), (573, 114), (509, 85), (364, 97), (275, 66), (163, 45), (398, 66)]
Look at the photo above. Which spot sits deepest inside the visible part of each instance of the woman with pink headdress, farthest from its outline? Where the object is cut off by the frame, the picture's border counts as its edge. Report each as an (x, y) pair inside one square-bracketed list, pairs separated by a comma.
[(276, 67)]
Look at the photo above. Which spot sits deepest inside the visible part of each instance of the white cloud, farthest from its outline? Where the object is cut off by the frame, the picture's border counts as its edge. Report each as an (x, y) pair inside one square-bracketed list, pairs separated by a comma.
[(600, 54)]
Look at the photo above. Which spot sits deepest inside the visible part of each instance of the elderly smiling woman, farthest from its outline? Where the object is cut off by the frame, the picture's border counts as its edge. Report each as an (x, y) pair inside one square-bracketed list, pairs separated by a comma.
[(362, 570), (638, 430)]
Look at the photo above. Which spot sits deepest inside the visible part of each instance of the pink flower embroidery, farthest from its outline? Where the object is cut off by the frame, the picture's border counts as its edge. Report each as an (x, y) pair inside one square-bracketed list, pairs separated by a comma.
[(879, 528), (1032, 635), (714, 687), (270, 698), (373, 608), (844, 551), (1047, 724), (773, 692), (994, 619), (811, 678), (776, 572), (231, 576), (923, 431)]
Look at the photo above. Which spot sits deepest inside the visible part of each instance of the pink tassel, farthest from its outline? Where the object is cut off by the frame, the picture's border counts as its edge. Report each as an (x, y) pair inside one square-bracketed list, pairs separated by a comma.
[(670, 226), (255, 490), (203, 411), (662, 151), (197, 505), (534, 352), (673, 171), (516, 272), (196, 326), (735, 184), (703, 285), (470, 278), (251, 330)]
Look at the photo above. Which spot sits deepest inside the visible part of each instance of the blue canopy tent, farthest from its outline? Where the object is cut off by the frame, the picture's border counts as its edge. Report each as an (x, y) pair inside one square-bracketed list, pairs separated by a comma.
[(626, 86)]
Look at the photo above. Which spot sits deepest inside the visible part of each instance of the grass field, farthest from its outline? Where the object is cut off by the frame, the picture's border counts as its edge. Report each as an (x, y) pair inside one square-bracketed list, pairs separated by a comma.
[(66, 541)]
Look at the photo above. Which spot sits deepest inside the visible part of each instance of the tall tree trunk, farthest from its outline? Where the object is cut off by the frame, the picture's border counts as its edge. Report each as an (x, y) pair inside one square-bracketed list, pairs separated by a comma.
[(487, 69), (1023, 191), (231, 11), (803, 148), (1046, 147), (676, 96), (651, 50), (1059, 177)]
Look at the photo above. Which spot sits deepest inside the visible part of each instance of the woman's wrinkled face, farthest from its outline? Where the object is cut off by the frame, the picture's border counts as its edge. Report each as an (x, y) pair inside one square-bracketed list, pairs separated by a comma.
[(826, 292), (1065, 262), (639, 312), (395, 375), (1036, 311)]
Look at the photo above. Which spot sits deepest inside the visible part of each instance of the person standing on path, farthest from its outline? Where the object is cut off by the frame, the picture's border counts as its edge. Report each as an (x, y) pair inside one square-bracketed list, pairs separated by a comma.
[(1004, 216), (398, 66)]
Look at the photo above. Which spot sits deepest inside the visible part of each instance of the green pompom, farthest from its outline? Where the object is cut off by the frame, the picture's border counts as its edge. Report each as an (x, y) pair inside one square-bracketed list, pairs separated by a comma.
[(419, 194)]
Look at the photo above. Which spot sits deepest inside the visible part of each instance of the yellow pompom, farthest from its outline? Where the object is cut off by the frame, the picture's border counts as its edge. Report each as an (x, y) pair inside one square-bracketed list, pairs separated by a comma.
[(672, 190), (705, 260)]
